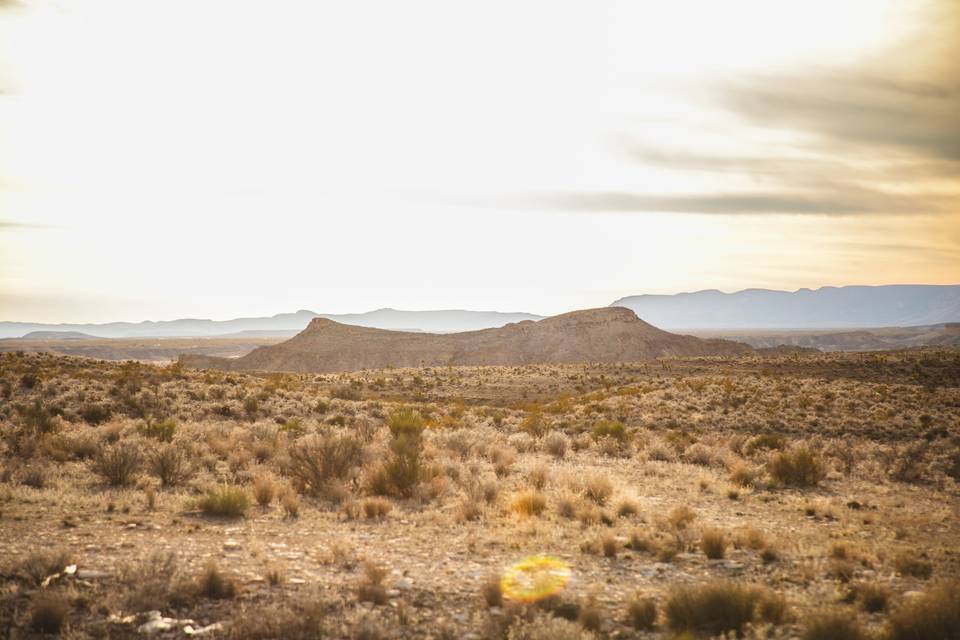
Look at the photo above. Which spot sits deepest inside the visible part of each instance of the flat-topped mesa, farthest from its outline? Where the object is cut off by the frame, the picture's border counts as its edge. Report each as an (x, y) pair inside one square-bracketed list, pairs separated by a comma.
[(609, 334)]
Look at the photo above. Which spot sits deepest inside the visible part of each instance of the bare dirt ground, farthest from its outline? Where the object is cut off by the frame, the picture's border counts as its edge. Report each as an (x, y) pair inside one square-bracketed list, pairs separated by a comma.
[(810, 495)]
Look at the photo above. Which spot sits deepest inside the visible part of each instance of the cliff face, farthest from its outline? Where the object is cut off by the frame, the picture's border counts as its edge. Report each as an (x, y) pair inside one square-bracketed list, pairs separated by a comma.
[(612, 334)]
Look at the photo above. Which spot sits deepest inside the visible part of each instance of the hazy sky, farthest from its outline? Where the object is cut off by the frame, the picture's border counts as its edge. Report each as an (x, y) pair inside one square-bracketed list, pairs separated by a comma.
[(218, 158)]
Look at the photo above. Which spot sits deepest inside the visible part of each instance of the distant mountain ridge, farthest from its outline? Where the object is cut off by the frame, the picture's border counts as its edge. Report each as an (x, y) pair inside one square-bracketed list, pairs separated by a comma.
[(444, 321), (823, 308), (610, 334)]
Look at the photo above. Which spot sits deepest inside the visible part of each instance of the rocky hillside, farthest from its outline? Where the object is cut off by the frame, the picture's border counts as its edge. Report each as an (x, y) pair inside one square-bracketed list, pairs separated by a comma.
[(612, 334)]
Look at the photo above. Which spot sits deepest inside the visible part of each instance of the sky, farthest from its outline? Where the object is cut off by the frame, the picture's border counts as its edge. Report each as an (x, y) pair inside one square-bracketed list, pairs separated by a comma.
[(225, 158)]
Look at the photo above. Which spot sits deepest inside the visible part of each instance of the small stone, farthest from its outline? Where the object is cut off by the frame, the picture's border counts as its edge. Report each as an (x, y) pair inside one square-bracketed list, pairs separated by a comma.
[(231, 545)]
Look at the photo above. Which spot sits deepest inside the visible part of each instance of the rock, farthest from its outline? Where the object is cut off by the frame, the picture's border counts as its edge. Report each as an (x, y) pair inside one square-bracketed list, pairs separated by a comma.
[(92, 574), (200, 631), (231, 545), (403, 584)]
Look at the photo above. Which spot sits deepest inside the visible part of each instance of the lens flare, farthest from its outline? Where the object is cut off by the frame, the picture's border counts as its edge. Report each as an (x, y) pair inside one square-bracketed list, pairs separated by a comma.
[(534, 578)]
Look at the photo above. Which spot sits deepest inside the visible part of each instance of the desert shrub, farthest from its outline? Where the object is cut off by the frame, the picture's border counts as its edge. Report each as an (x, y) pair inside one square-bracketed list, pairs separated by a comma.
[(405, 422), (492, 591), (371, 588), (118, 463), (37, 419), (36, 475), (699, 454), (872, 597), (212, 583), (225, 502), (609, 545), (316, 460), (48, 611), (609, 429), (538, 476), (534, 425), (910, 564), (714, 608), (546, 627), (590, 616), (681, 516), (799, 467), (556, 444), (598, 489), (264, 489), (38, 566), (251, 406), (162, 430), (502, 459), (168, 462), (345, 392), (713, 543), (765, 441), (376, 508), (933, 616), (300, 621), (290, 502), (908, 464), (529, 503), (627, 508), (95, 413), (742, 475), (642, 613), (833, 625)]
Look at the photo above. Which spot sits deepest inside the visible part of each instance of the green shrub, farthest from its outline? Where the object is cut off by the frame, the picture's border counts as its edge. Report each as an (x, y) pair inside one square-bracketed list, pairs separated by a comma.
[(163, 430), (225, 502), (799, 467), (608, 429), (405, 422)]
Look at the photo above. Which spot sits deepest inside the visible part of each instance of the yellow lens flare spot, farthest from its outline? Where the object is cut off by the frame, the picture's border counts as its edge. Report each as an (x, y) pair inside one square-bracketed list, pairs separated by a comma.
[(534, 578)]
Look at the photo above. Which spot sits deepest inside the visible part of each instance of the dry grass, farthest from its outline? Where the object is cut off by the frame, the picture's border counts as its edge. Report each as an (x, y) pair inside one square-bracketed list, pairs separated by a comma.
[(833, 625), (48, 612), (935, 614), (529, 503), (225, 502), (469, 483)]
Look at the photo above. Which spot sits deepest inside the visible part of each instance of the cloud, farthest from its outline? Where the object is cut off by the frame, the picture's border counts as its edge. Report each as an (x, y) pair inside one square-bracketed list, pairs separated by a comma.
[(836, 201), (879, 137), (857, 109)]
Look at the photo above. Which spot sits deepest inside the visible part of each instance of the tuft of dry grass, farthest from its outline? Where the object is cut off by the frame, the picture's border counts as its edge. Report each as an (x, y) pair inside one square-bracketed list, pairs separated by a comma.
[(627, 509), (371, 588), (872, 597), (529, 503), (713, 543), (118, 463), (718, 607), (598, 489), (910, 564), (225, 502), (264, 490), (48, 612), (290, 502), (556, 444), (492, 591), (833, 625), (681, 516), (642, 613), (376, 508), (798, 467), (213, 584), (934, 615)]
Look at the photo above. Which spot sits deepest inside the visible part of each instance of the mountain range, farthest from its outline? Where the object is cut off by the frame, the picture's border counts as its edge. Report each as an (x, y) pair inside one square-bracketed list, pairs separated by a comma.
[(609, 334), (824, 308)]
